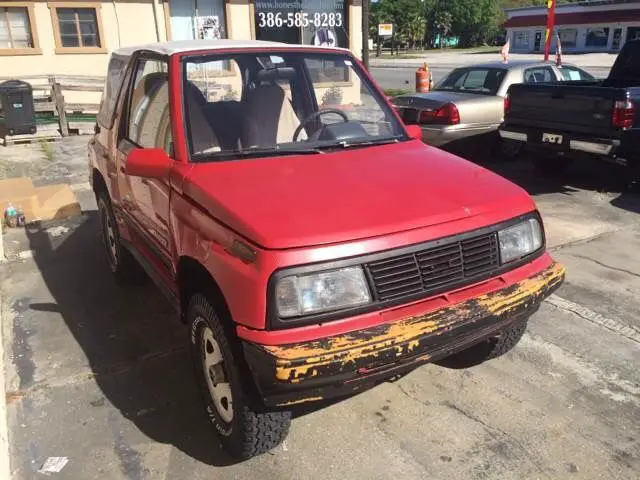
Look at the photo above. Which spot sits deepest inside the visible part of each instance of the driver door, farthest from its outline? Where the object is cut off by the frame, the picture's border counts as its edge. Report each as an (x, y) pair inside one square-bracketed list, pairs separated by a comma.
[(146, 123)]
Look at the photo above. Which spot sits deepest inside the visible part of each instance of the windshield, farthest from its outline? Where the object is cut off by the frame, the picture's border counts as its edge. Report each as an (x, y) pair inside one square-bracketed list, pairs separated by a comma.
[(484, 81), (252, 104)]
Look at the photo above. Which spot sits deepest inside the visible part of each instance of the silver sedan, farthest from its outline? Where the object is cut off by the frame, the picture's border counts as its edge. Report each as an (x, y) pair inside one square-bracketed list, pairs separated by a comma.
[(469, 101)]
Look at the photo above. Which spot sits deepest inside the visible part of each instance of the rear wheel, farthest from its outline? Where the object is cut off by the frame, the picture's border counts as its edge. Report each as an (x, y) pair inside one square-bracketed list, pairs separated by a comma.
[(493, 347), (245, 428), (121, 263)]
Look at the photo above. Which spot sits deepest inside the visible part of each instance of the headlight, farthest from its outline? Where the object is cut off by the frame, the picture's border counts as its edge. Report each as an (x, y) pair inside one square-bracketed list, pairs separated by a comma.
[(520, 240), (318, 292)]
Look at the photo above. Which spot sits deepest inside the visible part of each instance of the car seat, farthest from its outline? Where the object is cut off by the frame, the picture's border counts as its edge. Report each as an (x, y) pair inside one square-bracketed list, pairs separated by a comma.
[(269, 115)]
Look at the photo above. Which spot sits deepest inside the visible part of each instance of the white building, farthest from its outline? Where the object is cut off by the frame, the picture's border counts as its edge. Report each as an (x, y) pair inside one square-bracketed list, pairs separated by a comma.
[(590, 26)]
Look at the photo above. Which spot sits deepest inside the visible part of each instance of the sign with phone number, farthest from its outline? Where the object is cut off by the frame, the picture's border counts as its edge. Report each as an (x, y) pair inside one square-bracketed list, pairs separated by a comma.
[(299, 19)]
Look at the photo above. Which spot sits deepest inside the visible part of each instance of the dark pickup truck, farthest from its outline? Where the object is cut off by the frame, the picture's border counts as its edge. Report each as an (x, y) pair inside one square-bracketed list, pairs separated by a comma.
[(562, 122)]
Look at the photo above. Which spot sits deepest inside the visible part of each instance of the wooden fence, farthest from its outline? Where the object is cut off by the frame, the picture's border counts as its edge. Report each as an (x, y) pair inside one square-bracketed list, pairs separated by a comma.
[(49, 97)]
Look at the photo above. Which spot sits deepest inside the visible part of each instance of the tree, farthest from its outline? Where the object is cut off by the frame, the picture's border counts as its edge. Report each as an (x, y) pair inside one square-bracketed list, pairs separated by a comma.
[(401, 13), (443, 23)]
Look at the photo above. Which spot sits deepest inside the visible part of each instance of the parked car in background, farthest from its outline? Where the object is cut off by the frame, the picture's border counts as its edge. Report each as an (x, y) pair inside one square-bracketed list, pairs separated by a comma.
[(312, 250), (597, 119), (469, 102)]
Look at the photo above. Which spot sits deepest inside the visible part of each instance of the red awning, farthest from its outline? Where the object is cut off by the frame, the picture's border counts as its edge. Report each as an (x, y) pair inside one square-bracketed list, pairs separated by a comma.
[(611, 16)]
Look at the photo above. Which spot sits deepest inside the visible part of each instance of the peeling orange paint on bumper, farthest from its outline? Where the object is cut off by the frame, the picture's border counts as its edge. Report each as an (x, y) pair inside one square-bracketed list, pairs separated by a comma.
[(416, 339)]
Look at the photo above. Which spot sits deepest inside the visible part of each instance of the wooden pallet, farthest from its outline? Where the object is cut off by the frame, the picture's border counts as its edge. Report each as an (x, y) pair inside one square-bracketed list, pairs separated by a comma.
[(45, 133)]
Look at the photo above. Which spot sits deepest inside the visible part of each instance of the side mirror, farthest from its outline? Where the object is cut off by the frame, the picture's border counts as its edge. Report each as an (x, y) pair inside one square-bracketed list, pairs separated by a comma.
[(148, 163), (414, 131)]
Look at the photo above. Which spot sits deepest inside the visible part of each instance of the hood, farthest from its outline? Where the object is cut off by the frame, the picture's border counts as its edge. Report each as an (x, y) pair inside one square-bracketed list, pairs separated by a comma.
[(351, 194), (437, 99)]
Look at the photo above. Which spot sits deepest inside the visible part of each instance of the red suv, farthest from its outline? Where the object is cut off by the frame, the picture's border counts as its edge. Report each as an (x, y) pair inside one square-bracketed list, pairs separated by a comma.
[(312, 243)]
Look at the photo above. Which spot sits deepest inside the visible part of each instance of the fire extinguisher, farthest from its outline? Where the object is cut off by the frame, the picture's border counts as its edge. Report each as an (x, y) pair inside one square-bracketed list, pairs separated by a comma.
[(423, 79)]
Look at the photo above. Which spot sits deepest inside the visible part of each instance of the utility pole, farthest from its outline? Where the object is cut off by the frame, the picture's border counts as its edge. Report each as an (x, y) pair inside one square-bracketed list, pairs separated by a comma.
[(365, 33)]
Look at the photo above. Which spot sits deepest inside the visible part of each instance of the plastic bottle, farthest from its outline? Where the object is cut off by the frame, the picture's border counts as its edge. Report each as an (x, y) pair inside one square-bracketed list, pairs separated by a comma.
[(11, 215)]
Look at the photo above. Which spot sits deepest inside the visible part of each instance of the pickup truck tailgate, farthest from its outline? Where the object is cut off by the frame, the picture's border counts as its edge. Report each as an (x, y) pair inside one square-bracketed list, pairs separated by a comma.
[(580, 109)]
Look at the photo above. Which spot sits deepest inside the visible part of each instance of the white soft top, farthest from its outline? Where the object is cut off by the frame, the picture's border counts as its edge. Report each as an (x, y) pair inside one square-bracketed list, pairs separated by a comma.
[(171, 48)]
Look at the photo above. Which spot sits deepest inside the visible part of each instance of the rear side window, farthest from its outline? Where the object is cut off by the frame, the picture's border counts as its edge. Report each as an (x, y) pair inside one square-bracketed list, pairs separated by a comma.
[(473, 80), (574, 73), (539, 75), (115, 74)]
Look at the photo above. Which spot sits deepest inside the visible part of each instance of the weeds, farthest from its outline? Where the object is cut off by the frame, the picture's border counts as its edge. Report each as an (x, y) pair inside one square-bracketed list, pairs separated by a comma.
[(47, 149)]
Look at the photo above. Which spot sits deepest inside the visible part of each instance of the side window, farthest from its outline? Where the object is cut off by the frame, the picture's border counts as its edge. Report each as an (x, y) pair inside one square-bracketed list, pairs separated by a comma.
[(539, 75), (115, 74), (148, 120), (573, 73)]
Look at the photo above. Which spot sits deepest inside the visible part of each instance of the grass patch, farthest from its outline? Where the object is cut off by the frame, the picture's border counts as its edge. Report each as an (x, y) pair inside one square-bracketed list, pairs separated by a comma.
[(396, 92), (47, 149), (421, 53)]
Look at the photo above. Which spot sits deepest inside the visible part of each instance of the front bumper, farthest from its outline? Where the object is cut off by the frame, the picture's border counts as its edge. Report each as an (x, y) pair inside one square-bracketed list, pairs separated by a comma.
[(347, 363)]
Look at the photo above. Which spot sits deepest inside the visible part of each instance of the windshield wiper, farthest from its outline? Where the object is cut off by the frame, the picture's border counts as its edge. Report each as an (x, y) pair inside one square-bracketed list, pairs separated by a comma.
[(364, 143), (255, 152)]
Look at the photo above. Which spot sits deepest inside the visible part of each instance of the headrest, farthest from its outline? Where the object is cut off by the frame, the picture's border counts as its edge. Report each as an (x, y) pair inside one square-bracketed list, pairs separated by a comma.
[(154, 80), (277, 73)]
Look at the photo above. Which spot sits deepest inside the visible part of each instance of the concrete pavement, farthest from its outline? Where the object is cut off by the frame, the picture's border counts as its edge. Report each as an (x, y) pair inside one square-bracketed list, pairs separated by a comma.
[(101, 375)]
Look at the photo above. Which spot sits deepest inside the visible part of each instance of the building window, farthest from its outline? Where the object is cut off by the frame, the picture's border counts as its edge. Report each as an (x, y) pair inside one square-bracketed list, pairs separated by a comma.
[(521, 39), (307, 22), (77, 27), (568, 37), (197, 19), (597, 37), (17, 29)]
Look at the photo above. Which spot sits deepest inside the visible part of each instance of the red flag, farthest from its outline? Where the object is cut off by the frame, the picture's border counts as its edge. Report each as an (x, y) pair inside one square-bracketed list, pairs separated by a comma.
[(504, 52), (551, 21), (558, 51)]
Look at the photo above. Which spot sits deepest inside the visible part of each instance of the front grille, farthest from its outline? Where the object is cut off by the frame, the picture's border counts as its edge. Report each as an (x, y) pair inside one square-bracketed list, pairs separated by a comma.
[(432, 269)]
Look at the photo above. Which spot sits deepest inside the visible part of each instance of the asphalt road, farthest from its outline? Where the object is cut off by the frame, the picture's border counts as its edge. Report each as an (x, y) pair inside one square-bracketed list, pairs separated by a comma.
[(405, 77), (101, 375)]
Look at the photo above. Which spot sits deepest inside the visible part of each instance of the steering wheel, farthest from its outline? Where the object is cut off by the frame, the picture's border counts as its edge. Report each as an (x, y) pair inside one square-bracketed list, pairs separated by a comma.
[(315, 115)]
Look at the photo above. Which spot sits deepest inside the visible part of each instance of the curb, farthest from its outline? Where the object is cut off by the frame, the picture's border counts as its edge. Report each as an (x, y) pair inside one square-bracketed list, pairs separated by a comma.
[(418, 62), (5, 459)]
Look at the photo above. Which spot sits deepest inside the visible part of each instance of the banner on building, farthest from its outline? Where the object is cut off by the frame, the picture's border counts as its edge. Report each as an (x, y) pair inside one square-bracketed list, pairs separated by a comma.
[(209, 28), (551, 21)]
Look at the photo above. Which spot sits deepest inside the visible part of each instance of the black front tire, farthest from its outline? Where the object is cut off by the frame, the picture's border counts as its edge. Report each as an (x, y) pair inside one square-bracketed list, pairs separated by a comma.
[(251, 429), (121, 263), (493, 347)]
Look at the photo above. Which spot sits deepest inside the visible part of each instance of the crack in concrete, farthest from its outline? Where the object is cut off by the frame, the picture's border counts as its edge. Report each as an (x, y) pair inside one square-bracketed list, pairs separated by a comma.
[(586, 241), (627, 331), (602, 264), (407, 394), (493, 430), (115, 369)]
